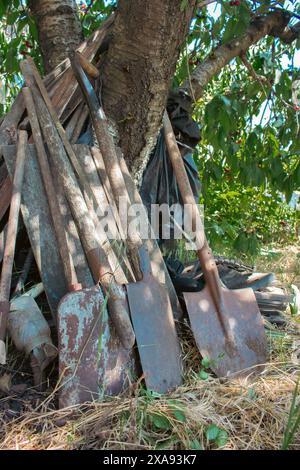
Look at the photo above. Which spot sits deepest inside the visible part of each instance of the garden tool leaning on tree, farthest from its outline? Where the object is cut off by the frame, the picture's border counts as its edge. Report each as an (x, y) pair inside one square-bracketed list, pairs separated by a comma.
[(149, 302), (227, 324)]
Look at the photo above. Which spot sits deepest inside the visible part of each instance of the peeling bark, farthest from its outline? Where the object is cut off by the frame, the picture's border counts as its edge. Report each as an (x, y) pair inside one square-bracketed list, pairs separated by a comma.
[(137, 71), (59, 29), (272, 24)]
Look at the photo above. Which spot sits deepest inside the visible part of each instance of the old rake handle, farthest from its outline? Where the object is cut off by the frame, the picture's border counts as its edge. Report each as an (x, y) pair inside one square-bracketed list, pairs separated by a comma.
[(10, 244), (57, 218)]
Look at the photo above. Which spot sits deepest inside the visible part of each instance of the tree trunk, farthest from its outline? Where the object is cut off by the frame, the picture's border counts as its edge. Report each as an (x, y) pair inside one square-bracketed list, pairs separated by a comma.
[(59, 29), (138, 69)]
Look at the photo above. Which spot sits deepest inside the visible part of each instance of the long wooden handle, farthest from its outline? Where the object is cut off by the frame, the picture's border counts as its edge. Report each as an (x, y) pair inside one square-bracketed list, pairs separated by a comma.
[(204, 252), (57, 218), (10, 244), (110, 158), (183, 181), (95, 253)]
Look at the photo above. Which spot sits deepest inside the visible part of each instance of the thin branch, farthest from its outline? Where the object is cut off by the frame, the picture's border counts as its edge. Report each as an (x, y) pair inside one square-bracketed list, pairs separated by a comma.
[(259, 78)]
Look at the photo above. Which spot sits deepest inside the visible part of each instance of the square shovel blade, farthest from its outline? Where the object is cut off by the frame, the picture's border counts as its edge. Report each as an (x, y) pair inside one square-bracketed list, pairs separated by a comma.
[(92, 360), (156, 336)]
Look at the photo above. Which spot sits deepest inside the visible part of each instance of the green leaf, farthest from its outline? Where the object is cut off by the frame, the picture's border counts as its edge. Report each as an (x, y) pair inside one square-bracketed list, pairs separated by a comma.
[(212, 432), (160, 422), (251, 393), (206, 363), (203, 375), (195, 445), (179, 415), (12, 17), (222, 438)]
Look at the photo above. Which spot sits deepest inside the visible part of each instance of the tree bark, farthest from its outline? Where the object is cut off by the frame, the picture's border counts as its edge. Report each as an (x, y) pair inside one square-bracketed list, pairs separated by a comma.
[(138, 69), (289, 34), (271, 24), (59, 29)]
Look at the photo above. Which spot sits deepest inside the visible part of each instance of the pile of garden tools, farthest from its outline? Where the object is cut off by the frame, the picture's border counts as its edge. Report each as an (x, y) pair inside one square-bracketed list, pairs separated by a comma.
[(113, 303)]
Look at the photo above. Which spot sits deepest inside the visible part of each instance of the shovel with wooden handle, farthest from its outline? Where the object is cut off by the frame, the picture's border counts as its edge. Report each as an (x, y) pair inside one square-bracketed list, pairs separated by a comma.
[(149, 302), (90, 359), (227, 324), (10, 243), (94, 250)]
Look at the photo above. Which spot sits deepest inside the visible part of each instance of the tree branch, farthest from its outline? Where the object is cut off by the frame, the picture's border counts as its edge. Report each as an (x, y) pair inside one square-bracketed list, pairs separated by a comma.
[(290, 33), (271, 24)]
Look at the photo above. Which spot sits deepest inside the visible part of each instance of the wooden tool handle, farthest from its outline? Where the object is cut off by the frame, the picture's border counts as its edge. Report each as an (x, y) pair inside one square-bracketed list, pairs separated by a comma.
[(183, 181), (57, 219), (206, 258), (10, 244), (95, 253), (88, 67), (108, 151)]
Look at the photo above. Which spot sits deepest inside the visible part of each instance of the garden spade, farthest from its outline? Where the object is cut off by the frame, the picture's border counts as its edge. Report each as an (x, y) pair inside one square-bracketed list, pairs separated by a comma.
[(91, 360), (227, 324), (149, 302)]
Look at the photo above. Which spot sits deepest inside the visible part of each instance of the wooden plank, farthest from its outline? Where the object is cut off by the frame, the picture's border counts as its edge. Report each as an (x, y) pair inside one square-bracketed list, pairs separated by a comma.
[(38, 223), (5, 196), (37, 219)]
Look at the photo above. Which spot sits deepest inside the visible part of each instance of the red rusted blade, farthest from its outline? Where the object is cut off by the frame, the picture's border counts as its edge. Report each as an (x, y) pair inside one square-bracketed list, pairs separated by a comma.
[(245, 323), (92, 361), (156, 336)]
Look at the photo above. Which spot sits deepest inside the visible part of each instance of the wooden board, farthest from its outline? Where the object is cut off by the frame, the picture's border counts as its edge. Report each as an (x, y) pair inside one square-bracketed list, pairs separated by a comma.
[(37, 219)]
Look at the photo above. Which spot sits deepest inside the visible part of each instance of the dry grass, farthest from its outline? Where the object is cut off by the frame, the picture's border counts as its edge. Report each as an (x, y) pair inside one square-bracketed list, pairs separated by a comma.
[(250, 414), (245, 414), (284, 262)]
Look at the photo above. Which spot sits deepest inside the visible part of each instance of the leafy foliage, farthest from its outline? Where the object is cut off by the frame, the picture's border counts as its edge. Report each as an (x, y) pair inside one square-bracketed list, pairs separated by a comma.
[(18, 37), (248, 157), (249, 153)]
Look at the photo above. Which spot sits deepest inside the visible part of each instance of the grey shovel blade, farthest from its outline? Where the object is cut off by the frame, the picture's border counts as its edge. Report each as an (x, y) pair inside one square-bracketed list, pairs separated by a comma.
[(92, 361), (156, 336), (245, 323)]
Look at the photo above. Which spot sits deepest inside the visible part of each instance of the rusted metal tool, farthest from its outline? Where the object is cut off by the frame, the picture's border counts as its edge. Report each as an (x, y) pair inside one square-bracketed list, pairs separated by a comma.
[(9, 250), (90, 358), (227, 324), (93, 241), (149, 303)]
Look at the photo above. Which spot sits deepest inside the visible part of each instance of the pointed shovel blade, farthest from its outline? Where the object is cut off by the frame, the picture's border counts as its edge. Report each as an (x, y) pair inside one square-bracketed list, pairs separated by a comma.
[(245, 323)]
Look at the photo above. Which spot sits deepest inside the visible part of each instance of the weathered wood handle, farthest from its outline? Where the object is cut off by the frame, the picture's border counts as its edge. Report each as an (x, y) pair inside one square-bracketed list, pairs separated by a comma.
[(109, 155), (183, 180), (95, 253), (10, 244), (88, 67), (57, 219)]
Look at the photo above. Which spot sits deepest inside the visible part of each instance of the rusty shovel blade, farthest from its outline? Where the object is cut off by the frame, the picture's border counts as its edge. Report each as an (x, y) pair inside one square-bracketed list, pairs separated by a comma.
[(92, 361), (246, 326), (155, 331)]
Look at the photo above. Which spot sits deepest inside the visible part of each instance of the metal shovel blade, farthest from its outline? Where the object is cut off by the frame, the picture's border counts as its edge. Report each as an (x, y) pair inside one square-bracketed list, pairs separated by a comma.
[(155, 331), (245, 324), (92, 361)]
